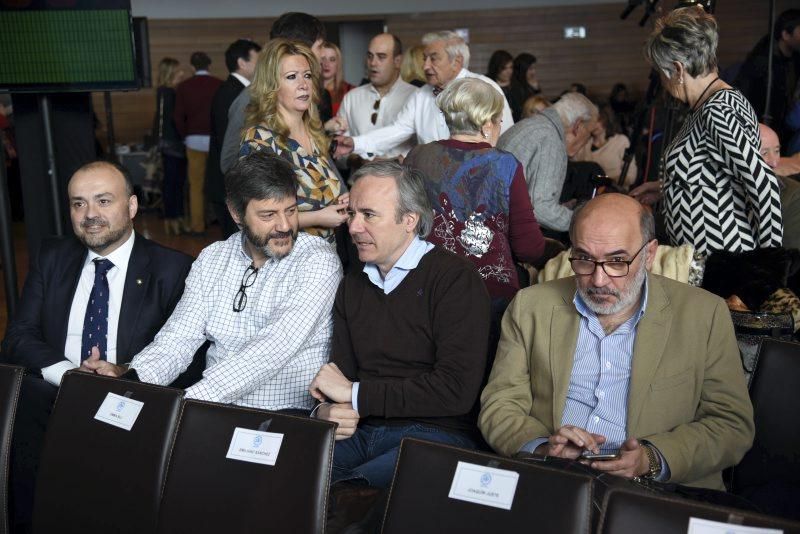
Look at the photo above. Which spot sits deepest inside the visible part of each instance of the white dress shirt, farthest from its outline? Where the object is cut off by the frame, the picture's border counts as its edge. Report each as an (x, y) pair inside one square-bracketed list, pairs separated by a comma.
[(241, 78), (421, 117), (358, 106), (77, 312), (266, 355)]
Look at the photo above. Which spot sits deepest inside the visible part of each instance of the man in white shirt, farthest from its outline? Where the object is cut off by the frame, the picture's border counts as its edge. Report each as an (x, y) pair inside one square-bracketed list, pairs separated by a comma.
[(378, 103), (134, 281), (446, 59), (262, 298)]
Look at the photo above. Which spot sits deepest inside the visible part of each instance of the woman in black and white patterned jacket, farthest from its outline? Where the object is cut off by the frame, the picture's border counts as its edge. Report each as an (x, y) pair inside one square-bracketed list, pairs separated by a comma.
[(718, 192)]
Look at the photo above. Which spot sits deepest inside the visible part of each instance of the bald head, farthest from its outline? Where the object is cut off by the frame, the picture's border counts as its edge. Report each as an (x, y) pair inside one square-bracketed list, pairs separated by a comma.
[(615, 211), (770, 145)]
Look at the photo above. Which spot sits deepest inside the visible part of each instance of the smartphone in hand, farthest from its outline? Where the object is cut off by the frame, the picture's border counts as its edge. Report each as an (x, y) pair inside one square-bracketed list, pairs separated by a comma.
[(602, 455)]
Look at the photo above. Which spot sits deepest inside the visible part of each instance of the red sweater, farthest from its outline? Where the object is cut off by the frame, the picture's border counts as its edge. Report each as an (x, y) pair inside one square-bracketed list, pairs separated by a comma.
[(193, 105)]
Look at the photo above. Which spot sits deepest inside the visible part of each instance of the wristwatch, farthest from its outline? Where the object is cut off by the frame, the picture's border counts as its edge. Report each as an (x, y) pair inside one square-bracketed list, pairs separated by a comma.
[(653, 462)]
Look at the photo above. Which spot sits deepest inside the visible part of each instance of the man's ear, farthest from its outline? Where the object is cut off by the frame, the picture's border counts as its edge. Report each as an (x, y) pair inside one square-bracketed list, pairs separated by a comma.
[(133, 206), (652, 247), (410, 220), (234, 214)]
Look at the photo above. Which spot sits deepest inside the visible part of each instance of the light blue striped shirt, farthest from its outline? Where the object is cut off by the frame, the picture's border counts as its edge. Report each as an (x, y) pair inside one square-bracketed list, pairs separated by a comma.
[(597, 398)]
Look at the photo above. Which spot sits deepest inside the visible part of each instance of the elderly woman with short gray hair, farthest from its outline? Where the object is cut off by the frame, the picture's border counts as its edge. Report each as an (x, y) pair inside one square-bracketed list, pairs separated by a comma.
[(718, 192), (481, 206)]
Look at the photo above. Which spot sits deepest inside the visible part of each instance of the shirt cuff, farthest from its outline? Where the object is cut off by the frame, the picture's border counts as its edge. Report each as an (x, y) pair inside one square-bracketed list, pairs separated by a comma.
[(54, 373), (532, 445), (202, 391), (354, 395), (665, 473)]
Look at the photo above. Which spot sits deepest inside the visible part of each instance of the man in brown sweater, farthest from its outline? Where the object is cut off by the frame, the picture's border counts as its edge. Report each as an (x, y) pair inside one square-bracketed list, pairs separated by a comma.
[(410, 333)]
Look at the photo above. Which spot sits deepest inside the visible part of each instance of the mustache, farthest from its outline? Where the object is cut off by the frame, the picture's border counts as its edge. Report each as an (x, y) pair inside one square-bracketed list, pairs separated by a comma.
[(602, 291), (281, 235), (93, 221)]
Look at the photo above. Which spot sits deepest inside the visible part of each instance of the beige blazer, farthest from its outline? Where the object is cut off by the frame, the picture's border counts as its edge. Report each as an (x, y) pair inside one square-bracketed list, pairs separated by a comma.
[(687, 388)]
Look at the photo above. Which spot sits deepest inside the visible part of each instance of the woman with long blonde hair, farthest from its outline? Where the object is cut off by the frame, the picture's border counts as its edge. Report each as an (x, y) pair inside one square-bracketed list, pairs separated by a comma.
[(333, 74), (282, 117)]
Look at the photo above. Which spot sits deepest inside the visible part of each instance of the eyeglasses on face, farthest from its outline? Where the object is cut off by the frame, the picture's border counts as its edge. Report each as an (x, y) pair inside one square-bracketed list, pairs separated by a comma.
[(248, 279), (613, 268)]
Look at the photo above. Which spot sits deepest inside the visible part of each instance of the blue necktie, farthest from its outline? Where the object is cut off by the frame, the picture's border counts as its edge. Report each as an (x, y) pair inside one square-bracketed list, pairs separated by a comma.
[(95, 322)]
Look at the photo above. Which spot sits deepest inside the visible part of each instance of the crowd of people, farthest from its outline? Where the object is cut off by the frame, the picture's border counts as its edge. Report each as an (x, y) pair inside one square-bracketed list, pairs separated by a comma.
[(370, 272)]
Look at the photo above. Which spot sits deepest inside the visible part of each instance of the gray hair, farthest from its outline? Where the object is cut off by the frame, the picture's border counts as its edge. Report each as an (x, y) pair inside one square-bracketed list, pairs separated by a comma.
[(688, 36), (574, 107), (455, 45), (467, 105), (647, 223), (411, 194)]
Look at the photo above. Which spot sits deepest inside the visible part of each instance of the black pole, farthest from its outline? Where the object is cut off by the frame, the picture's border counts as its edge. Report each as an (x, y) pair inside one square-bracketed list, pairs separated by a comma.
[(6, 244), (767, 117), (112, 151), (44, 106)]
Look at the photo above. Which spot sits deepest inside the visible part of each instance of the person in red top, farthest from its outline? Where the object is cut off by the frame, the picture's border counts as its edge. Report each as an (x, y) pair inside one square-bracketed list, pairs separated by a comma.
[(192, 117), (333, 74)]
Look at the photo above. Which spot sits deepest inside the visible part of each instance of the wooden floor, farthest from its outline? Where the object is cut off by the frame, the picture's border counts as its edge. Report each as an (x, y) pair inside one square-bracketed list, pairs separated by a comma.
[(147, 224)]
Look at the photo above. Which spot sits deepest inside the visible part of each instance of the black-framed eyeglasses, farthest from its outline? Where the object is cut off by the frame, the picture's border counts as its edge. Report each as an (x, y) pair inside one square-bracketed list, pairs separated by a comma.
[(248, 279), (376, 106), (613, 269)]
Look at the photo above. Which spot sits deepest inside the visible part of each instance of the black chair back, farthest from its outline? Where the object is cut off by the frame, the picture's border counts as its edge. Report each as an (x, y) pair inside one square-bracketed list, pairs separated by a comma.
[(207, 492), (545, 500), (96, 477), (10, 383), (639, 511), (769, 474)]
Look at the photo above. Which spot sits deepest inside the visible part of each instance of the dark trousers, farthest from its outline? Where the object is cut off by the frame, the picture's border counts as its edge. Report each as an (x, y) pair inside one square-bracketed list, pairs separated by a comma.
[(174, 182), (33, 411)]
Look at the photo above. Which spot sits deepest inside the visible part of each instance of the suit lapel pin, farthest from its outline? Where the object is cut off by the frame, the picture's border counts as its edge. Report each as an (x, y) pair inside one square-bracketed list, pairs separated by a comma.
[(138, 281)]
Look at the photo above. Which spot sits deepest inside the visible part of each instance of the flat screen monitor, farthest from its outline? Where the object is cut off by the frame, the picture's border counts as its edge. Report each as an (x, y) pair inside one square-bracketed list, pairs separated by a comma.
[(67, 45)]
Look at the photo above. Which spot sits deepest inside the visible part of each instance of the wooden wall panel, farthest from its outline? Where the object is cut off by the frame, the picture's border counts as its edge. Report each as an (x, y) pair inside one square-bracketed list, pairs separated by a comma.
[(612, 51)]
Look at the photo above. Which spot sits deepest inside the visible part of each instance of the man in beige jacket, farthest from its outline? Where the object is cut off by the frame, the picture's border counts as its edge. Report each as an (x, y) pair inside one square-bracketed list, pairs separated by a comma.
[(631, 364)]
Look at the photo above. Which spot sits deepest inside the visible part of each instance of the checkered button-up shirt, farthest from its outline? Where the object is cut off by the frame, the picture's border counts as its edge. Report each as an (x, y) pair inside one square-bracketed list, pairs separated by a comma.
[(266, 355)]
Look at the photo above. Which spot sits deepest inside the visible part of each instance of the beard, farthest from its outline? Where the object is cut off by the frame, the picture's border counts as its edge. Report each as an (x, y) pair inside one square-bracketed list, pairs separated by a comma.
[(98, 242), (625, 297), (263, 242)]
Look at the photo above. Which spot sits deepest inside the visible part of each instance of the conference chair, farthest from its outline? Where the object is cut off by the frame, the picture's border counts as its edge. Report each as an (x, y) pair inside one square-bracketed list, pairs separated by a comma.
[(10, 383), (438, 487), (640, 511), (769, 474), (242, 470), (105, 456)]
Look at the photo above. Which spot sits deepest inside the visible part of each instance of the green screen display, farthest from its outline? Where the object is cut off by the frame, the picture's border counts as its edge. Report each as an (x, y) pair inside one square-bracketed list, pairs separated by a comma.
[(66, 49)]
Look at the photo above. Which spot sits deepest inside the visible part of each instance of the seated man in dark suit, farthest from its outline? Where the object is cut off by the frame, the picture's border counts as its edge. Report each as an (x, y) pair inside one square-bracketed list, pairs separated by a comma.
[(133, 282)]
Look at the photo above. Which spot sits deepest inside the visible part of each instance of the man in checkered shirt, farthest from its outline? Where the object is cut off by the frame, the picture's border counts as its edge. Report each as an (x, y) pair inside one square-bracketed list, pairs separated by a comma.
[(263, 299)]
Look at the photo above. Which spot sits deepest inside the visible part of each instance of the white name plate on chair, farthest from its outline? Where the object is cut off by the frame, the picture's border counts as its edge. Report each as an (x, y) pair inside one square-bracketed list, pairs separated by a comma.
[(484, 485), (119, 411), (255, 446), (704, 526)]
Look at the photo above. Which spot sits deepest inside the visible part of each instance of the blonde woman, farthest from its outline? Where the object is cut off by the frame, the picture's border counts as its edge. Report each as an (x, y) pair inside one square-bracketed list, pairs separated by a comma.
[(173, 156), (333, 74), (411, 69), (282, 117)]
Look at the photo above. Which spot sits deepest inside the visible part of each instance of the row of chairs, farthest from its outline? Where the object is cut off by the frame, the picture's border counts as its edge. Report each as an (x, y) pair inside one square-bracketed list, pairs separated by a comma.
[(170, 471)]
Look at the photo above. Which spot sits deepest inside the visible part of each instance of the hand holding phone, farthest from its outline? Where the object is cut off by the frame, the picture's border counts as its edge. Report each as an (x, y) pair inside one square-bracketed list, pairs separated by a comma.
[(602, 455)]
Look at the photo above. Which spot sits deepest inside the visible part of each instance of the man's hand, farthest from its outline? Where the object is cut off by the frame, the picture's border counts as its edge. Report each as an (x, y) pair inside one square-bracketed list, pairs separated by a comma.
[(344, 146), (93, 364), (569, 442), (337, 125), (342, 414), (331, 384), (632, 462), (647, 193)]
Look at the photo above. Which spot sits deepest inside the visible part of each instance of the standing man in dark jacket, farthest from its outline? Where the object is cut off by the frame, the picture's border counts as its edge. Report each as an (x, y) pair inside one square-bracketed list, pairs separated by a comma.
[(752, 78), (240, 58)]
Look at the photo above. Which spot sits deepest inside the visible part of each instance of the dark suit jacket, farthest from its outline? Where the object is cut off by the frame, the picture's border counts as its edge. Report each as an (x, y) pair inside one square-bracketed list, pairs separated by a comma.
[(223, 98), (153, 285)]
